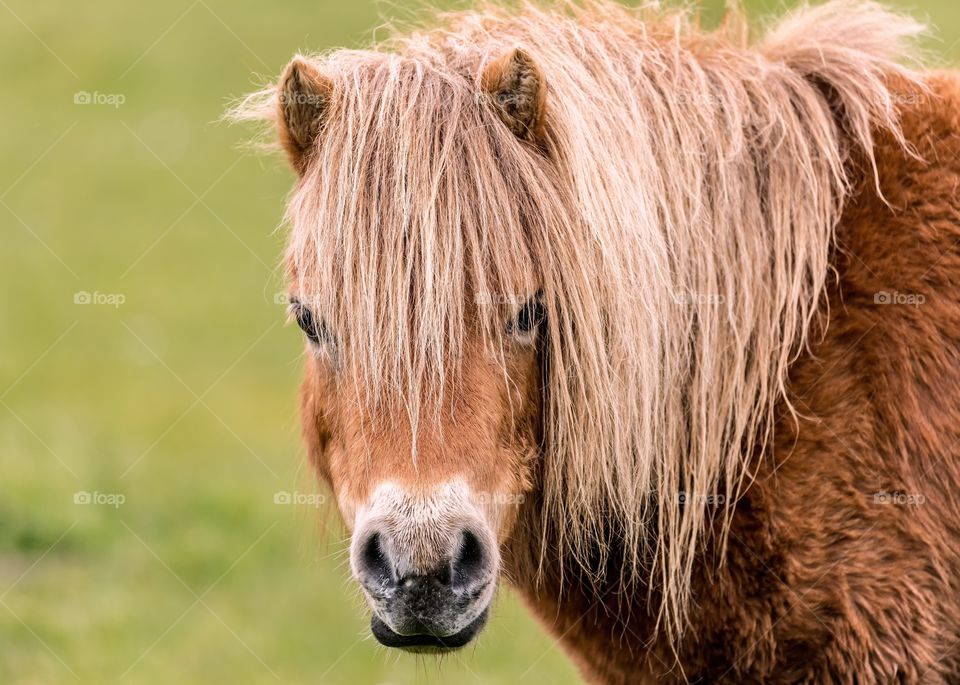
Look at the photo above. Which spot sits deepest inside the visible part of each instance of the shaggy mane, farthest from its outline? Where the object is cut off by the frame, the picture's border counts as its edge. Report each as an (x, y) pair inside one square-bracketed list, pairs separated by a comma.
[(678, 226)]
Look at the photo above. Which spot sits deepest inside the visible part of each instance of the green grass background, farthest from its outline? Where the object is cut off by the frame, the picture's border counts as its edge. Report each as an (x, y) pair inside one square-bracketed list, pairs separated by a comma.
[(181, 399)]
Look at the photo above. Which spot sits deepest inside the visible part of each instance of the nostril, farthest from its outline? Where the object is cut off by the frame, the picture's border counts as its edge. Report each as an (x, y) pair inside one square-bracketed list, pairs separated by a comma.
[(470, 561), (375, 563)]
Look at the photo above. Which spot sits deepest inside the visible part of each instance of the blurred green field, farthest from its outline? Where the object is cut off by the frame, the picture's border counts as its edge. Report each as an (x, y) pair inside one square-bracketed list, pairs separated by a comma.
[(173, 389)]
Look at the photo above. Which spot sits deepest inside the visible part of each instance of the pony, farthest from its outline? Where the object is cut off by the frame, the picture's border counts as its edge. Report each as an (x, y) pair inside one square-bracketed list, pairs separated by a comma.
[(657, 324)]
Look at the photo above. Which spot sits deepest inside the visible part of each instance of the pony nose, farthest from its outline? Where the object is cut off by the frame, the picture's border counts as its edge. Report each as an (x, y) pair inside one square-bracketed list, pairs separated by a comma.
[(385, 569)]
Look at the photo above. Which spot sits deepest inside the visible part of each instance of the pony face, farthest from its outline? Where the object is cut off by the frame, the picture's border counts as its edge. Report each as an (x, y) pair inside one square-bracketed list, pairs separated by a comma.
[(424, 323), (429, 507)]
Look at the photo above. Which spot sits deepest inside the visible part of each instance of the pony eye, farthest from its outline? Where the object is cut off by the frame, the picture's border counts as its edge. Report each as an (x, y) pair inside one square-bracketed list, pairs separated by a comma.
[(525, 323), (315, 329)]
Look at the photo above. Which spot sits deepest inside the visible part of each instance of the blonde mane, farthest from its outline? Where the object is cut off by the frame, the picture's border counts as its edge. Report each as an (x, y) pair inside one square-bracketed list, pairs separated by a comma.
[(678, 224)]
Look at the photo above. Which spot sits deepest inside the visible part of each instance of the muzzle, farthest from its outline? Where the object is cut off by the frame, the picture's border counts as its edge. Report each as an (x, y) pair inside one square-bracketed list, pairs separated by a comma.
[(428, 564)]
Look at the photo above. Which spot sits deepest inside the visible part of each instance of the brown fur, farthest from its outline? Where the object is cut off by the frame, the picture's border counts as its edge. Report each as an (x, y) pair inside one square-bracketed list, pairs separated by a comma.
[(823, 581), (354, 451)]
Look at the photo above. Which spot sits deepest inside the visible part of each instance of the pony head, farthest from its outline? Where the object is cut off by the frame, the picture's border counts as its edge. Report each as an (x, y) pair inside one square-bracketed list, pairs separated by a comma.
[(554, 264), (417, 287)]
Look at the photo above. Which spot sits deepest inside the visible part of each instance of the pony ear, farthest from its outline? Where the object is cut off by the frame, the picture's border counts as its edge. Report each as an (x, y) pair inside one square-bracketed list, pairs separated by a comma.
[(518, 92), (303, 95)]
